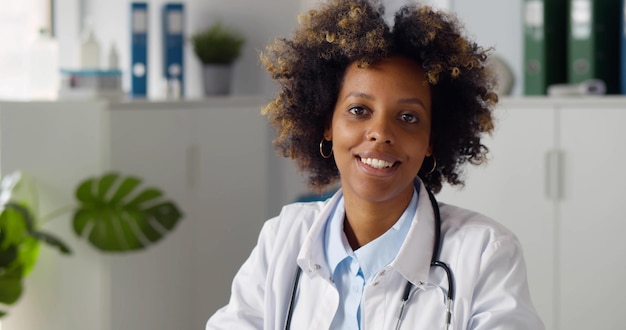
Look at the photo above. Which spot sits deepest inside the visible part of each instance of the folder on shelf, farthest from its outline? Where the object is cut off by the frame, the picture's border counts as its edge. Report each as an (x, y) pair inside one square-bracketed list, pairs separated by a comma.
[(545, 43), (623, 49), (173, 24), (593, 42), (139, 48)]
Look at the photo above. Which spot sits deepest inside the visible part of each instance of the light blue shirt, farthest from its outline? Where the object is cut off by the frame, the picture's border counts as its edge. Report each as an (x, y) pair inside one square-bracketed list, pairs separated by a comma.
[(352, 270)]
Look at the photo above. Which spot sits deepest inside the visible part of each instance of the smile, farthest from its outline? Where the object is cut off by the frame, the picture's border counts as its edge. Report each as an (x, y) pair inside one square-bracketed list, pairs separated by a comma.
[(376, 163)]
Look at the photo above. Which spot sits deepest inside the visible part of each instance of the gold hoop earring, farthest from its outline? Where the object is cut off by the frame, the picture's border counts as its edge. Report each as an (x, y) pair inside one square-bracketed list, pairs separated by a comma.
[(322, 149), (434, 166)]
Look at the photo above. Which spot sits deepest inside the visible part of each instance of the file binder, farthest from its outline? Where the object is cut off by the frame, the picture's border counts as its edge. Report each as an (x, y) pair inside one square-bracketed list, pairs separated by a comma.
[(173, 24), (139, 49), (593, 42), (545, 42), (623, 49)]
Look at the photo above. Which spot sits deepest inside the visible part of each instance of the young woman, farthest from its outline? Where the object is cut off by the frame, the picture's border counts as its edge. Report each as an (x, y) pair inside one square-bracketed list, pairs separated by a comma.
[(392, 113)]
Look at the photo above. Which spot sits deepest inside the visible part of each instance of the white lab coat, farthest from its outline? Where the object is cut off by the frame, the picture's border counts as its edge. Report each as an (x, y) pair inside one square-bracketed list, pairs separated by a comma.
[(486, 260)]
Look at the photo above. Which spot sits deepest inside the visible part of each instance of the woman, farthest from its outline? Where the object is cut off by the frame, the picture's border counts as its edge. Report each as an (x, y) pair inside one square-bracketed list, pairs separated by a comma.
[(390, 112)]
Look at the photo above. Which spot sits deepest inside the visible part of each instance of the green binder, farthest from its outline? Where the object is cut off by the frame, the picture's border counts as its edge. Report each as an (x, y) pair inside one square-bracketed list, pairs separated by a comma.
[(545, 43), (593, 42)]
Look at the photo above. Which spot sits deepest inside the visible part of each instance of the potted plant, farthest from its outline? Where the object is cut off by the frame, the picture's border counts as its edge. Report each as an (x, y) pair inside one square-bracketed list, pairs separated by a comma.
[(217, 47), (103, 203)]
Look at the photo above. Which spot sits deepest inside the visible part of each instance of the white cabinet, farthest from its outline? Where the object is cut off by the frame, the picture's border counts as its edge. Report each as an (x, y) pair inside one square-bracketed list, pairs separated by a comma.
[(213, 157), (555, 178), (591, 215)]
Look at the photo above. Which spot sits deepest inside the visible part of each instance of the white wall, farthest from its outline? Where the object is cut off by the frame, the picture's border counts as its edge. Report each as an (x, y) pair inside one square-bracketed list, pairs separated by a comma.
[(498, 24)]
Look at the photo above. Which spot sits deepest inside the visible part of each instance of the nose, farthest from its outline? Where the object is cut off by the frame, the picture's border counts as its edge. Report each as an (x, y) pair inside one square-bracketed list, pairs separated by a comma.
[(380, 131)]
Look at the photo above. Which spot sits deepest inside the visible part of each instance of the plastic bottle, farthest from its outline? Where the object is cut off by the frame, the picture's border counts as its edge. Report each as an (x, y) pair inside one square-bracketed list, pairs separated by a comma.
[(90, 51), (113, 58)]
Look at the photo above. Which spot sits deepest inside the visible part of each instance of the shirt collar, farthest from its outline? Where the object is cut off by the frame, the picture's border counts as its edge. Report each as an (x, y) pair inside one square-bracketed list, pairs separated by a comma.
[(374, 255), (336, 244), (413, 259)]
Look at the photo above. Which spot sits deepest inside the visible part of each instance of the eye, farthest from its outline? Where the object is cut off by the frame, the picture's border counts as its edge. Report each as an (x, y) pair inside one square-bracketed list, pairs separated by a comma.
[(409, 118), (357, 111)]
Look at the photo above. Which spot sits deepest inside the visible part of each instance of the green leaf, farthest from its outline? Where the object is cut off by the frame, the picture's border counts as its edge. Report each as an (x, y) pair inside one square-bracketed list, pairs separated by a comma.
[(130, 220), (11, 285), (7, 256), (17, 223), (167, 214), (126, 187), (27, 254), (105, 184), (13, 227), (145, 196), (84, 193)]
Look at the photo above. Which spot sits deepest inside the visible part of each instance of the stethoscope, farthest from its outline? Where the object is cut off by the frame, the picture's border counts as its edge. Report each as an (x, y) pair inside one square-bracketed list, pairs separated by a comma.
[(435, 262)]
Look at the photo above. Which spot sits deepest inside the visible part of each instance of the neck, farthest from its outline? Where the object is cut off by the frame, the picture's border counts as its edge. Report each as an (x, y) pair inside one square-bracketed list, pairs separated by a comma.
[(366, 221)]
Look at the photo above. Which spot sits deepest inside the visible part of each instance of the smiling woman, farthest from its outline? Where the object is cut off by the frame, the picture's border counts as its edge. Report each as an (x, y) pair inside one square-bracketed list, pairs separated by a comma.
[(392, 113)]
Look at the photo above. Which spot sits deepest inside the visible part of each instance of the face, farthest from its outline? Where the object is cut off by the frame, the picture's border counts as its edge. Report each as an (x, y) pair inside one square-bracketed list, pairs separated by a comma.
[(380, 129)]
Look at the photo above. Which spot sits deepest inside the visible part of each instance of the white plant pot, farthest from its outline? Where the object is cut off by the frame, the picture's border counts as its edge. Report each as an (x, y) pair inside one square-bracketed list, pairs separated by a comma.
[(217, 78)]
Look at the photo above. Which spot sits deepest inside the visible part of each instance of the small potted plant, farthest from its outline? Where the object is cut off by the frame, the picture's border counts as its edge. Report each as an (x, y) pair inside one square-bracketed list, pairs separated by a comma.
[(217, 47)]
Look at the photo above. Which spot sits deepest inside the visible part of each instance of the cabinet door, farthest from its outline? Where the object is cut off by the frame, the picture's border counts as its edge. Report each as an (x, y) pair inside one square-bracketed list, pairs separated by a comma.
[(151, 289), (510, 188), (591, 218), (231, 192)]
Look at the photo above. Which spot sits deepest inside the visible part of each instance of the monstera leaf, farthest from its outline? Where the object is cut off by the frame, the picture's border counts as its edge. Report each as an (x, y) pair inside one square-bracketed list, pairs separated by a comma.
[(115, 215)]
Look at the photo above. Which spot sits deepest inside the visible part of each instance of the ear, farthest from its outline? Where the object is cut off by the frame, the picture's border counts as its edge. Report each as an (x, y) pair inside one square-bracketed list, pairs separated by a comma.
[(429, 151), (328, 133)]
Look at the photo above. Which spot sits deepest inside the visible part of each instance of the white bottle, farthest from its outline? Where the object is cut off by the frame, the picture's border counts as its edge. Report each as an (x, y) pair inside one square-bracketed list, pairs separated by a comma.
[(113, 58), (90, 51), (43, 67)]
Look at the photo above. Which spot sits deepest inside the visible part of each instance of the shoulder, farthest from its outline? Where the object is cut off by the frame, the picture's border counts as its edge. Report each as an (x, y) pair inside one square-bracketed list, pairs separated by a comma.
[(458, 221), (298, 216)]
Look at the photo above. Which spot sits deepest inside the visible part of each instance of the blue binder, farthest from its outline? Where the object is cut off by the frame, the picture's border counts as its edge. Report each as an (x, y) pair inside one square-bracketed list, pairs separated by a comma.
[(139, 48), (173, 23)]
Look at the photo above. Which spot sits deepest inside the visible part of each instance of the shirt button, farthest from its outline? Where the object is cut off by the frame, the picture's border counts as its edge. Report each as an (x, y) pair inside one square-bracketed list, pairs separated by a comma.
[(382, 272), (317, 267), (375, 283)]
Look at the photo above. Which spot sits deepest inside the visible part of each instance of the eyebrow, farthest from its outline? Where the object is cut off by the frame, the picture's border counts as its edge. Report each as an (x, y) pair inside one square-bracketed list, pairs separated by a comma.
[(401, 101)]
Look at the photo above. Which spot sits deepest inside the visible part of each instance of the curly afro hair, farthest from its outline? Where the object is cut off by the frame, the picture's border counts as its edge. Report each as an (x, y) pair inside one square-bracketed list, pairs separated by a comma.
[(310, 67)]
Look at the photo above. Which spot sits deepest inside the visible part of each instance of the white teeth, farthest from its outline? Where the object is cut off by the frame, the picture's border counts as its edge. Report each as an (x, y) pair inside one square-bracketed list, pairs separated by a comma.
[(376, 163)]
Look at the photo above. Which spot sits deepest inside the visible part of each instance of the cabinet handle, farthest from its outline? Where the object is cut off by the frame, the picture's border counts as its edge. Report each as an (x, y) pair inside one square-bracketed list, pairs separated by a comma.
[(193, 165), (554, 175)]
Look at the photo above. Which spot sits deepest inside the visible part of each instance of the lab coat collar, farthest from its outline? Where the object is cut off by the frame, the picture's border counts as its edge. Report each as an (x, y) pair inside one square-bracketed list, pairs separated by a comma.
[(413, 259)]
